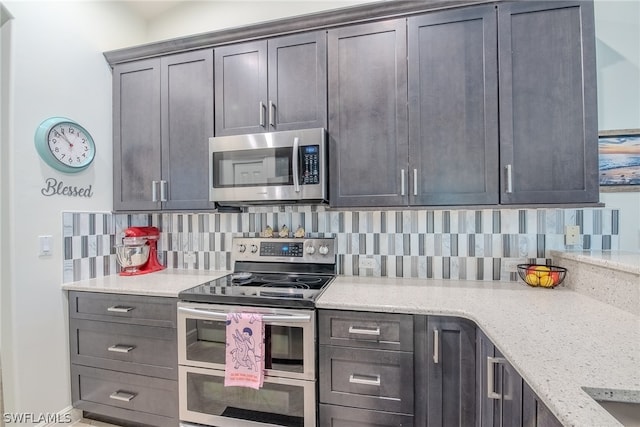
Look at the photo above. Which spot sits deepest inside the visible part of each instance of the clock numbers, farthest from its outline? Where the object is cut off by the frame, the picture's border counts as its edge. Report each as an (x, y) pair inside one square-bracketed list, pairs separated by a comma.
[(73, 147)]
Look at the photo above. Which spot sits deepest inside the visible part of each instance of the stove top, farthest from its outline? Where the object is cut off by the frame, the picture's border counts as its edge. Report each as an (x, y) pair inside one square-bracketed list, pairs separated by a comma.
[(271, 272)]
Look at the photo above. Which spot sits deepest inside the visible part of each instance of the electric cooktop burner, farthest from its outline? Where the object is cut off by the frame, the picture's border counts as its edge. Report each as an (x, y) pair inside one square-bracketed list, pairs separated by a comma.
[(271, 272)]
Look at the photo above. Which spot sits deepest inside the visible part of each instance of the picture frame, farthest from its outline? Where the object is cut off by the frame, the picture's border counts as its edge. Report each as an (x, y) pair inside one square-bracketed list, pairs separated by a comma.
[(619, 158)]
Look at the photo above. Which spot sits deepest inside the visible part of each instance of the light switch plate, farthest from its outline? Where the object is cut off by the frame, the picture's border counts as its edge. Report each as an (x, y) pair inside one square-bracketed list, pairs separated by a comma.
[(572, 235), (44, 245)]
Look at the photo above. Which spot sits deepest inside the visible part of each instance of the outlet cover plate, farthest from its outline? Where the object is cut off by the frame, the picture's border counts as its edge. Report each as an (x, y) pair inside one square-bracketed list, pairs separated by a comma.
[(510, 265), (572, 235), (368, 263)]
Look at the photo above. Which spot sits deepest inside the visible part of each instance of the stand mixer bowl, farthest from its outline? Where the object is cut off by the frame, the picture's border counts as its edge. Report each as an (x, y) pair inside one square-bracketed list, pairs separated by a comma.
[(131, 257)]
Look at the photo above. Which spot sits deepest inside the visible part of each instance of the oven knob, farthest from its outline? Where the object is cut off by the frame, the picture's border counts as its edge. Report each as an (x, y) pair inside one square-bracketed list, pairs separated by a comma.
[(254, 249), (323, 250), (311, 250), (242, 247)]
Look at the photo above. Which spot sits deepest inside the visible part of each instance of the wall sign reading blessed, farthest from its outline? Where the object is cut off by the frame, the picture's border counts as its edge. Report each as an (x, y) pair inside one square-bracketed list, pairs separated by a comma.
[(53, 187)]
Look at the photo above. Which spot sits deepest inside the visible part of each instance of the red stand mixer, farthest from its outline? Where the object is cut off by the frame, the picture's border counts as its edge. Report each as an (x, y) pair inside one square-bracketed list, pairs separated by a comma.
[(138, 253)]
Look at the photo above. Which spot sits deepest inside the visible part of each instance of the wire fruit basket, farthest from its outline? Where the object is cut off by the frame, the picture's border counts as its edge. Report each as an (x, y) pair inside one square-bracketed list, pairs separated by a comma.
[(545, 276)]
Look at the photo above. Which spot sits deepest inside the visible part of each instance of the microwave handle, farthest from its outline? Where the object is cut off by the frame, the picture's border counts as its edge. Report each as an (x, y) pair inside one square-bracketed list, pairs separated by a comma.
[(296, 173), (215, 315)]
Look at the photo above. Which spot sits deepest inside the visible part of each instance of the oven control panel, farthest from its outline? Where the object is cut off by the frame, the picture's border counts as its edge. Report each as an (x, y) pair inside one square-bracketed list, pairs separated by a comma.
[(312, 250)]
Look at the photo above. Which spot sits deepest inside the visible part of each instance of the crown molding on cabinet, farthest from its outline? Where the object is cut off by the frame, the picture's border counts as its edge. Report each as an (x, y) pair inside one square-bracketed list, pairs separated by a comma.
[(327, 19)]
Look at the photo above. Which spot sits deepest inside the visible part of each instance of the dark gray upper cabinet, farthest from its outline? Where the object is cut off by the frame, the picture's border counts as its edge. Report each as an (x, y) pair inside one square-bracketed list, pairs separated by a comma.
[(136, 134), (269, 85), (548, 117), (453, 108), (368, 114), (163, 117), (450, 372)]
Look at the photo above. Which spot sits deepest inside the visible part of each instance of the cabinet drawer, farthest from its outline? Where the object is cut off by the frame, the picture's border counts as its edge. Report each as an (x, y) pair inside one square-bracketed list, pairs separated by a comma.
[(145, 350), (142, 310), (368, 379), (339, 416), (385, 331), (115, 394)]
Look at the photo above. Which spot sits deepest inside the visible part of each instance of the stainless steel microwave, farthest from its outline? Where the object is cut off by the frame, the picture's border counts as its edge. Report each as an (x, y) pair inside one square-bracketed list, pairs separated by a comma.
[(263, 168)]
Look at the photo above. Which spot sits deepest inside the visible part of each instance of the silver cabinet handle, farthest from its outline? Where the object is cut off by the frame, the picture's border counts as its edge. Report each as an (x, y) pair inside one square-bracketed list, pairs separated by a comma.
[(364, 331), (436, 346), (402, 172), (272, 114), (214, 315), (509, 188), (154, 191), (121, 348), (163, 190), (123, 396), (296, 173), (120, 309), (491, 363), (261, 106), (365, 379), (415, 182)]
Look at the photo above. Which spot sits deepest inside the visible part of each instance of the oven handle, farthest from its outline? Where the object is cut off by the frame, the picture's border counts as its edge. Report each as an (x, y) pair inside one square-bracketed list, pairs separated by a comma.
[(215, 315)]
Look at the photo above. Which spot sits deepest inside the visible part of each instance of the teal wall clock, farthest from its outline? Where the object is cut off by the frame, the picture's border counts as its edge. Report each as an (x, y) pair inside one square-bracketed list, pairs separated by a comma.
[(64, 145)]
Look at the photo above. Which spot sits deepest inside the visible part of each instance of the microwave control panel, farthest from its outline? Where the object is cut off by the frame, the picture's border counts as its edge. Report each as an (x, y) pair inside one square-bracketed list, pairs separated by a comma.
[(310, 156)]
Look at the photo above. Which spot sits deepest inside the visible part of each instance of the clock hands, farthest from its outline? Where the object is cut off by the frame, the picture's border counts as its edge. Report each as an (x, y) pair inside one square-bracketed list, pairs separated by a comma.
[(61, 133)]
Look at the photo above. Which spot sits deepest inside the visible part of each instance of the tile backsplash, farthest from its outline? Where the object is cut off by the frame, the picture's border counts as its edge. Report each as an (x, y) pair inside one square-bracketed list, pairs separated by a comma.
[(441, 244)]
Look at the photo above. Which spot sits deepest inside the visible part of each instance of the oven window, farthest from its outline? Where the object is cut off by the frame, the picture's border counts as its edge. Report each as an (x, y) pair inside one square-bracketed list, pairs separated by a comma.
[(278, 404), (256, 167), (284, 345)]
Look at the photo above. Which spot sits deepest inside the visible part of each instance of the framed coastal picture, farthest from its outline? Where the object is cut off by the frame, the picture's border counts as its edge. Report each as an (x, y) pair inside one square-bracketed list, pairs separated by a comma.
[(619, 157)]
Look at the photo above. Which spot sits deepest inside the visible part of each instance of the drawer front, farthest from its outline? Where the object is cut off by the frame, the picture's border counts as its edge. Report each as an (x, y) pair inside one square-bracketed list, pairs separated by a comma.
[(386, 331), (143, 310), (145, 350), (339, 416), (124, 391), (368, 379)]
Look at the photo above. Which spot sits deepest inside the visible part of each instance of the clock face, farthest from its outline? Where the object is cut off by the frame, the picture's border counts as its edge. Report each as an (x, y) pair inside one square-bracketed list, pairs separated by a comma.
[(64, 145), (71, 145)]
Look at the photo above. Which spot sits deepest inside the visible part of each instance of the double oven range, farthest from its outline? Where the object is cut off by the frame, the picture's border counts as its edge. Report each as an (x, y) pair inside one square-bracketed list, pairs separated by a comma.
[(280, 279)]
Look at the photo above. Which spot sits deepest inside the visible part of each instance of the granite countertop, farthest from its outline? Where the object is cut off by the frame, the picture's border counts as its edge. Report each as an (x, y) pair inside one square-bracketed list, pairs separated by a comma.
[(165, 283), (557, 339), (626, 261)]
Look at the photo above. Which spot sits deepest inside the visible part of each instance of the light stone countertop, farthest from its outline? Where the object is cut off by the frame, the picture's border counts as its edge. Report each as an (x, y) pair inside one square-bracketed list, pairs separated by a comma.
[(557, 339), (626, 261), (164, 283)]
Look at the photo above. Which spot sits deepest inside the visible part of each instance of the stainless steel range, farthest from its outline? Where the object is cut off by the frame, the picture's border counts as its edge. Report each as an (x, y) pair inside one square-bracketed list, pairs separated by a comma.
[(280, 279)]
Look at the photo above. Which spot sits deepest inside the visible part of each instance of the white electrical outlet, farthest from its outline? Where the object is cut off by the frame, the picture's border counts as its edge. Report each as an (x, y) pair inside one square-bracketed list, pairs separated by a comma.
[(510, 265), (572, 235), (368, 263)]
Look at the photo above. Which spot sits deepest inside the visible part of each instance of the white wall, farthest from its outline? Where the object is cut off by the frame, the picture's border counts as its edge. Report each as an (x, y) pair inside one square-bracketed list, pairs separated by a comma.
[(618, 59), (56, 68)]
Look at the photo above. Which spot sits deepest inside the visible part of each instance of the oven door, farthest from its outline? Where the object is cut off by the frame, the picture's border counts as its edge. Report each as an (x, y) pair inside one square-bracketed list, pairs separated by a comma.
[(290, 338), (280, 402)]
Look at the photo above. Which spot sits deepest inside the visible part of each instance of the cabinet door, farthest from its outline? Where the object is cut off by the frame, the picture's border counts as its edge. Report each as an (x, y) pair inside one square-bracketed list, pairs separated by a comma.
[(187, 124), (453, 107), (241, 88), (548, 118), (136, 135), (298, 81), (499, 387), (368, 114), (534, 412), (451, 372)]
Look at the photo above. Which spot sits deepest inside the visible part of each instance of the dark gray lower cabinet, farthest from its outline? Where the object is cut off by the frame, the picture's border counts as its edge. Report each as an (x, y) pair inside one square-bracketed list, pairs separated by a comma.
[(366, 369), (445, 371), (124, 358), (534, 412)]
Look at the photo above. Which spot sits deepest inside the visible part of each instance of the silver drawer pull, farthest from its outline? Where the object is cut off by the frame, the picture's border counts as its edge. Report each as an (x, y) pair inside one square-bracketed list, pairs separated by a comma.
[(364, 331), (121, 348), (123, 396), (365, 379), (491, 362), (120, 309)]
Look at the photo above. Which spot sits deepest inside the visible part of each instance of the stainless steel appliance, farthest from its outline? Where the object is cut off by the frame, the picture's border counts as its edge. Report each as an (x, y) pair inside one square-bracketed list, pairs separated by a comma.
[(289, 166), (281, 279)]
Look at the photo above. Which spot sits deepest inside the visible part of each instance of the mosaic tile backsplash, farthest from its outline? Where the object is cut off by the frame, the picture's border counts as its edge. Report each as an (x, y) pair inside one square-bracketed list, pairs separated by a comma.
[(440, 244)]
